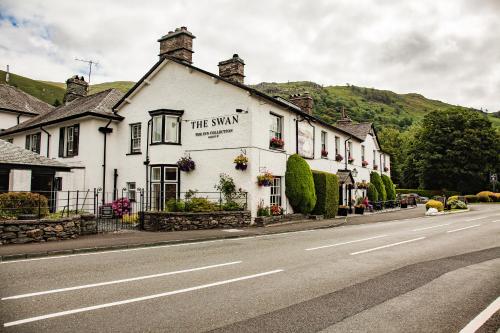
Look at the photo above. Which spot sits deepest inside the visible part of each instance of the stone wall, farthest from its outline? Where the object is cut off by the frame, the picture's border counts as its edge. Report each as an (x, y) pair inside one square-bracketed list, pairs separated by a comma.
[(45, 230), (166, 221)]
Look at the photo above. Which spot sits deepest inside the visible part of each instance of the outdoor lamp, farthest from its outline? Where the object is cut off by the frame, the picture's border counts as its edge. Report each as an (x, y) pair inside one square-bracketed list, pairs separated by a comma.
[(354, 172)]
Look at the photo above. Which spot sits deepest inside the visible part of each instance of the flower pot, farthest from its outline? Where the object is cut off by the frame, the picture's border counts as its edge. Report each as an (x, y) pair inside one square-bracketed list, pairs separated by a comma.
[(241, 167), (404, 205), (359, 210), (342, 211)]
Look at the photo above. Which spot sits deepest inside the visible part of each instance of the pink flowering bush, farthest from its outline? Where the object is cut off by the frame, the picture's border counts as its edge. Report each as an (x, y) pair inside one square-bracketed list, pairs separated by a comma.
[(121, 207)]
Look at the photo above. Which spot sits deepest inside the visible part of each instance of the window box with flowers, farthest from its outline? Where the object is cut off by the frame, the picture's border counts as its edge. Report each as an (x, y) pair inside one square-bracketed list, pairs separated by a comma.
[(375, 167), (265, 179), (338, 158), (277, 143), (241, 162), (364, 164), (324, 153), (186, 164), (350, 160)]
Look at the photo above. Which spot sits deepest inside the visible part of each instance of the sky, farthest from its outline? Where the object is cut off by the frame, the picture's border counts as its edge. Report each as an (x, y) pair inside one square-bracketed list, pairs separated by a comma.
[(447, 50)]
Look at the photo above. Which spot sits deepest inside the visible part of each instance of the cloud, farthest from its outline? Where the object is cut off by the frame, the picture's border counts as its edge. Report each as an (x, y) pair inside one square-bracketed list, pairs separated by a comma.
[(447, 50)]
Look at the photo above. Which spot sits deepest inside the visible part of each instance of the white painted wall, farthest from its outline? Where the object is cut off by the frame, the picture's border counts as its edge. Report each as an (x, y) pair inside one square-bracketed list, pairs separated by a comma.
[(9, 119), (19, 180)]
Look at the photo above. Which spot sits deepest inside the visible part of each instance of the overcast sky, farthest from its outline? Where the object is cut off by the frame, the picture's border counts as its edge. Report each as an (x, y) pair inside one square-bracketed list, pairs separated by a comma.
[(447, 49)]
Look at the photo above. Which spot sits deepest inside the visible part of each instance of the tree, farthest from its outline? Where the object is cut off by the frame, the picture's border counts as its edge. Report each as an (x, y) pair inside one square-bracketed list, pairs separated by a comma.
[(326, 186), (379, 185), (389, 187), (299, 185), (392, 142), (372, 193)]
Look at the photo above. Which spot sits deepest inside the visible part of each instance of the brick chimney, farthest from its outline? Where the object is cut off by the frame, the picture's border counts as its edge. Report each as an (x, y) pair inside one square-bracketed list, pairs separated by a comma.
[(178, 44), (232, 69), (75, 87), (303, 101), (344, 118)]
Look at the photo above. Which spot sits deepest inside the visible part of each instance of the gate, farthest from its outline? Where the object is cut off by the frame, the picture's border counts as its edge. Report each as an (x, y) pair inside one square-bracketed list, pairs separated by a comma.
[(119, 210)]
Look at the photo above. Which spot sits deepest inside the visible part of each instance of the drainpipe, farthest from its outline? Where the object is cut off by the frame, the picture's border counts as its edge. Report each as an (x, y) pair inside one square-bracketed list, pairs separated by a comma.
[(104, 130), (48, 140), (146, 162), (346, 158), (18, 117)]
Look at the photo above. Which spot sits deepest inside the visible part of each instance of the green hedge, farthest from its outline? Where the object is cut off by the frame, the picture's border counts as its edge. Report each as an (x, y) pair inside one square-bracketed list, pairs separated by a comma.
[(379, 185), (471, 198), (13, 204), (327, 194), (426, 193), (372, 193), (389, 187), (299, 185)]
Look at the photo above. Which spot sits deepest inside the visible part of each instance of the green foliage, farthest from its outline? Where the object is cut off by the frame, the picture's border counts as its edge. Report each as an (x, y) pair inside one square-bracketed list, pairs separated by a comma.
[(376, 180), (231, 206), (13, 204), (327, 194), (389, 187), (391, 141), (456, 204), (197, 205), (472, 198), (175, 205), (435, 204), (484, 196), (426, 193), (299, 185), (372, 193)]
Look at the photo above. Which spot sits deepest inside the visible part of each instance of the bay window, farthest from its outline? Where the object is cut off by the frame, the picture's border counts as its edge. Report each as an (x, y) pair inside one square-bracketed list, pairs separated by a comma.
[(166, 126), (33, 142)]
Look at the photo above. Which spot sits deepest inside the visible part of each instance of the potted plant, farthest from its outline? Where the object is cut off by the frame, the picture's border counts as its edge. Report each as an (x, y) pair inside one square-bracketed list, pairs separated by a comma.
[(350, 160), (343, 210), (265, 179), (359, 209), (375, 167), (276, 210), (386, 169), (338, 158), (324, 153), (404, 203), (364, 164), (277, 143), (362, 185), (186, 164), (241, 162)]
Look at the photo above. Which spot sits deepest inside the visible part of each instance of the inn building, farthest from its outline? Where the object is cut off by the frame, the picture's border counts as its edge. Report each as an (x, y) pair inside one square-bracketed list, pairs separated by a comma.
[(177, 110)]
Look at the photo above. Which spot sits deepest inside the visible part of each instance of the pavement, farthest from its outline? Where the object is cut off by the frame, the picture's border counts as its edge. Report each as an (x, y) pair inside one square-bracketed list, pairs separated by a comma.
[(423, 274), (133, 239)]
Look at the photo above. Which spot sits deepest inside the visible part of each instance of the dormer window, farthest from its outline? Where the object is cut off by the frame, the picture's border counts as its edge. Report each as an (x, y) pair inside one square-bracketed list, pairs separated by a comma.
[(166, 126)]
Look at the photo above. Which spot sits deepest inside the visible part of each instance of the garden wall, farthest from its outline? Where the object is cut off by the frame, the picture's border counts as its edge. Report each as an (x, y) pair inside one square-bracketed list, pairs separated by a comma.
[(170, 221), (27, 231)]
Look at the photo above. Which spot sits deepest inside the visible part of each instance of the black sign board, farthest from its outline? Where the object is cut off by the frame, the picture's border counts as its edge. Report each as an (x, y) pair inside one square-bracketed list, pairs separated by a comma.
[(106, 212)]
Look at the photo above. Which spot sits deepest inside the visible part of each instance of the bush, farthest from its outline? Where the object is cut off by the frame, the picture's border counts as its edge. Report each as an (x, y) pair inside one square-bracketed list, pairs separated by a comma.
[(453, 197), (372, 193), (435, 204), (426, 193), (13, 204), (471, 198), (326, 186), (174, 205), (379, 185), (456, 204), (485, 196), (389, 187), (299, 185), (198, 205), (231, 206)]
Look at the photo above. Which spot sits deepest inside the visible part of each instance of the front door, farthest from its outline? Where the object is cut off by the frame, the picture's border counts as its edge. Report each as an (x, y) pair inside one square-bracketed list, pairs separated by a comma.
[(42, 182)]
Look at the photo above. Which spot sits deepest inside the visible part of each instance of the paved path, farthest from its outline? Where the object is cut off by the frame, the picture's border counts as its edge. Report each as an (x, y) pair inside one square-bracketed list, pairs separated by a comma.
[(419, 275)]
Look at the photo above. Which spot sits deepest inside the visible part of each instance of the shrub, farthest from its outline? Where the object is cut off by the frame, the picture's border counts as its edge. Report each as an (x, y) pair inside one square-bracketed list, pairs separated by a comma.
[(471, 198), (263, 210), (197, 205), (456, 204), (497, 197), (326, 186), (174, 205), (13, 204), (389, 187), (426, 193), (485, 196), (231, 206), (435, 204), (372, 193), (121, 206), (453, 197), (379, 185), (299, 185)]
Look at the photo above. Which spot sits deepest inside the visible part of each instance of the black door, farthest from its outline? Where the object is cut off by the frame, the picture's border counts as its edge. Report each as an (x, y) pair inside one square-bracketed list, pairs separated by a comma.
[(4, 180), (42, 182)]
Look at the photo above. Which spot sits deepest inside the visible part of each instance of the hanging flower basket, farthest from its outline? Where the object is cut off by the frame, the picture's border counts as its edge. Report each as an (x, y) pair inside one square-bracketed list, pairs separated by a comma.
[(277, 143), (265, 179), (362, 185), (364, 164), (375, 167), (386, 169), (324, 153), (350, 160), (241, 162), (338, 158), (186, 164)]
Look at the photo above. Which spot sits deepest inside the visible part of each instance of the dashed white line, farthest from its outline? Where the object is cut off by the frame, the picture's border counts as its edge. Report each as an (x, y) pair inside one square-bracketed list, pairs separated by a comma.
[(494, 221), (388, 245), (476, 218), (138, 299), (93, 285), (343, 243), (434, 226), (471, 226), (481, 318)]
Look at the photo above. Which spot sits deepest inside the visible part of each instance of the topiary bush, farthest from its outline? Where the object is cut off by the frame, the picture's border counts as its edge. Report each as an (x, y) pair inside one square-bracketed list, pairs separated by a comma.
[(327, 194), (426, 193), (13, 204), (472, 198), (372, 193), (390, 189), (379, 185), (456, 204), (485, 196), (299, 185), (434, 204)]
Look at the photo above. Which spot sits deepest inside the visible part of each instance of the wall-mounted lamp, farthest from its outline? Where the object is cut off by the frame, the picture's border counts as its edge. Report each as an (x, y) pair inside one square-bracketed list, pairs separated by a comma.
[(241, 111)]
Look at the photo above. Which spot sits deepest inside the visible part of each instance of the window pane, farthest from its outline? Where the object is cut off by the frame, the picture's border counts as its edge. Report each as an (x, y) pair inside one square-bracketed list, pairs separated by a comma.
[(155, 196), (171, 129), (157, 124), (170, 174), (170, 191), (275, 198), (275, 129), (136, 137), (156, 174)]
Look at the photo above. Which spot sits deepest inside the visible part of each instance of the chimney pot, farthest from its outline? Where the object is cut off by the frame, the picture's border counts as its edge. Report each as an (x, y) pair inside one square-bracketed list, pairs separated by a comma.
[(75, 87), (233, 69), (178, 44)]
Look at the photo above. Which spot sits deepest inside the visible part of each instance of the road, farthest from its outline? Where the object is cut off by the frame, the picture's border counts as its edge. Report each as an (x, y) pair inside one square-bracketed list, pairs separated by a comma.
[(429, 274)]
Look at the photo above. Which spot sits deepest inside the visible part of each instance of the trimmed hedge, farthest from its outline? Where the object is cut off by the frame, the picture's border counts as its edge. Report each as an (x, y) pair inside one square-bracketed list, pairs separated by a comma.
[(426, 193), (327, 194), (13, 204), (299, 185), (390, 189), (471, 198), (372, 193), (434, 204), (486, 196), (379, 185)]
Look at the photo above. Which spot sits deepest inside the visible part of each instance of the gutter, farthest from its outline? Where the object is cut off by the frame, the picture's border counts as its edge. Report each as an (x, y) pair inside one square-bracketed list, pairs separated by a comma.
[(105, 130), (48, 140)]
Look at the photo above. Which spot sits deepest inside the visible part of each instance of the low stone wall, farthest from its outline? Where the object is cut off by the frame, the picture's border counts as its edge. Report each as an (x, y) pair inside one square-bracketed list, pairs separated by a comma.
[(45, 230), (265, 220), (166, 221)]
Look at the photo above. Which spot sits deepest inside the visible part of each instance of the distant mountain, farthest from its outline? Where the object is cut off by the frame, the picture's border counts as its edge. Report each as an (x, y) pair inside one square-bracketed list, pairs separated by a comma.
[(383, 107)]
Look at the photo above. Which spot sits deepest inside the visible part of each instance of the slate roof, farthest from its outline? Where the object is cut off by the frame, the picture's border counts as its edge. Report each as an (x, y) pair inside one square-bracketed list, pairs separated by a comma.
[(345, 177), (11, 154), (360, 130), (97, 105), (16, 100)]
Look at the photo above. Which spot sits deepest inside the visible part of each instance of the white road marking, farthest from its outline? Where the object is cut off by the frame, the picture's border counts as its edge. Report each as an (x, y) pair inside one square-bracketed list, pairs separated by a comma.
[(232, 230), (481, 318), (472, 226), (434, 226), (138, 299), (494, 221), (343, 243), (388, 245), (93, 285), (476, 218)]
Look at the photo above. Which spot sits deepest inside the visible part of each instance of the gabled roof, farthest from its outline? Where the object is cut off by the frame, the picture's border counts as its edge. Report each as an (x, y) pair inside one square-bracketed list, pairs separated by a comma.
[(281, 102), (360, 130), (97, 105), (13, 155), (16, 100), (345, 177)]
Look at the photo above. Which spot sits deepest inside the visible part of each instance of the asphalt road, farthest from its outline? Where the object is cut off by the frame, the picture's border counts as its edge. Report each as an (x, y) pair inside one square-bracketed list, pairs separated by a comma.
[(430, 274)]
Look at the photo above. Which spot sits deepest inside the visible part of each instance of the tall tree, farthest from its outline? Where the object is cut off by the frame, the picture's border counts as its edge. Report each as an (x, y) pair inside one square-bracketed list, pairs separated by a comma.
[(391, 142)]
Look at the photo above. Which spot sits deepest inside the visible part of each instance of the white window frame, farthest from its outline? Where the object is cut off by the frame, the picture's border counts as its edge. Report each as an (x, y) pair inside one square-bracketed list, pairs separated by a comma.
[(350, 149), (167, 129), (157, 128), (131, 191), (337, 145), (324, 140), (34, 143), (362, 153), (374, 157), (276, 127), (69, 142), (135, 137), (275, 197)]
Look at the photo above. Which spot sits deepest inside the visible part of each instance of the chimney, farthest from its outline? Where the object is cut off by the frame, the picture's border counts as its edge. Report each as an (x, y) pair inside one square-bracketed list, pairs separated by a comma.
[(232, 69), (75, 87), (178, 44), (303, 101), (344, 118)]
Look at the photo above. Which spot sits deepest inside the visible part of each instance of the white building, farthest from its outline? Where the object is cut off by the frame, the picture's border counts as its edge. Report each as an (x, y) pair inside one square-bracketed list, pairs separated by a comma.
[(178, 110)]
